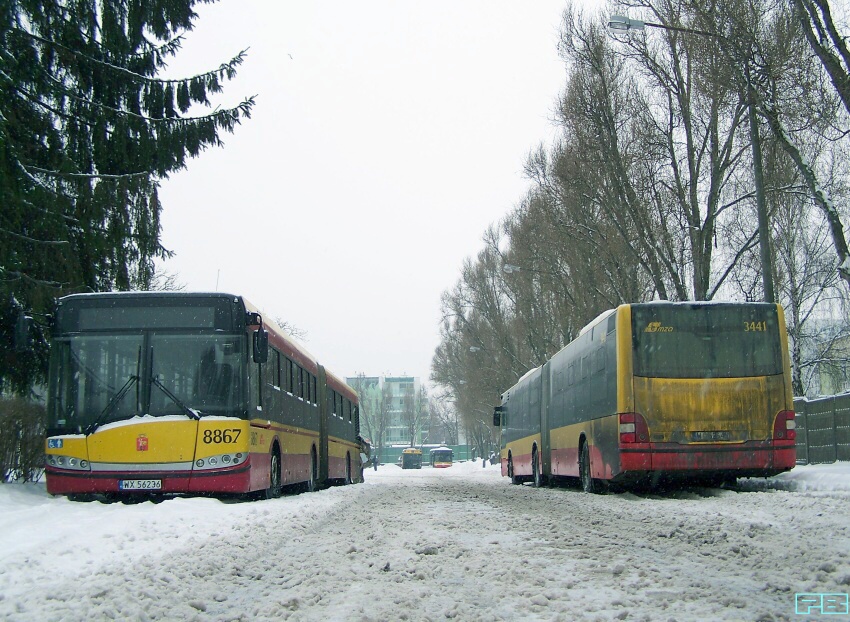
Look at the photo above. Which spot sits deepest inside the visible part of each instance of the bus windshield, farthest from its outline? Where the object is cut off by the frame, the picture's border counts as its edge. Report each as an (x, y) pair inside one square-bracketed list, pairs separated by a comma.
[(202, 371), (411, 459), (98, 379), (706, 341)]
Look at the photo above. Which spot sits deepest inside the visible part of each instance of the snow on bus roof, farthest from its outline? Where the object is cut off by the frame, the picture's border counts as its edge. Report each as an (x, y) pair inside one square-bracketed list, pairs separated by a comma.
[(595, 321), (444, 448), (527, 374)]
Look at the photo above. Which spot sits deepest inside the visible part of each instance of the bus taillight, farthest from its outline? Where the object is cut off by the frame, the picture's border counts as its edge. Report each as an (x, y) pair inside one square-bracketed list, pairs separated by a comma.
[(633, 428), (784, 427)]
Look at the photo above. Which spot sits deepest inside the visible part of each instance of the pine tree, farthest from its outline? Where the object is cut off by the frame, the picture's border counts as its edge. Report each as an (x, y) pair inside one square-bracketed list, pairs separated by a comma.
[(88, 128)]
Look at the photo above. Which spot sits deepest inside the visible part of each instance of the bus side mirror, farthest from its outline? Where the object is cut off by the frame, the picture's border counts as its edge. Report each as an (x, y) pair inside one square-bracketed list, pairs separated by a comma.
[(23, 333), (497, 416), (261, 345)]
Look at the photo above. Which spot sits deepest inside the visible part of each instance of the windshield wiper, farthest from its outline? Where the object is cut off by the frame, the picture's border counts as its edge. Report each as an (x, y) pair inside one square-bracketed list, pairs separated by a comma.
[(192, 413), (110, 407)]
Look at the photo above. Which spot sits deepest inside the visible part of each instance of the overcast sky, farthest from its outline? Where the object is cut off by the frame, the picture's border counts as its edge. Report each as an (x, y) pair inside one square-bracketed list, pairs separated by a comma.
[(386, 137)]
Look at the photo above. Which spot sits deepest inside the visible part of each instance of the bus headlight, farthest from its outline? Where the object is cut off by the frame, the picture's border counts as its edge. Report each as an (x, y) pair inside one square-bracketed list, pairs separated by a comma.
[(218, 462), (69, 463)]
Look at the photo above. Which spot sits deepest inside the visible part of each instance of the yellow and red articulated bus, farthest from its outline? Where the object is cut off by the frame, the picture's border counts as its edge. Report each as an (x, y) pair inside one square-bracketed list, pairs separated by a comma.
[(189, 393), (657, 391), (441, 457)]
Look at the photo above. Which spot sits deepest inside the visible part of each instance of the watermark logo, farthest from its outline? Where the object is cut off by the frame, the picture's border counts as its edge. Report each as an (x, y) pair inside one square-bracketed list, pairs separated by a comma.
[(821, 603)]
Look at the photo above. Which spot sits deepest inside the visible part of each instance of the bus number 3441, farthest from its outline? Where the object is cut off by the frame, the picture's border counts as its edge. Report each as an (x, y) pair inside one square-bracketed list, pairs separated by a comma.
[(221, 436)]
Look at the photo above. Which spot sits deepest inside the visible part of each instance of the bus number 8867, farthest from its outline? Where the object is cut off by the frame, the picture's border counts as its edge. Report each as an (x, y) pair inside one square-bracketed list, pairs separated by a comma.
[(221, 436)]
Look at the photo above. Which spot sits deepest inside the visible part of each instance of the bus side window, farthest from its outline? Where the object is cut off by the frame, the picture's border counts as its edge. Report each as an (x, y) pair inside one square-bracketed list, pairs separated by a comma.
[(287, 375), (273, 369)]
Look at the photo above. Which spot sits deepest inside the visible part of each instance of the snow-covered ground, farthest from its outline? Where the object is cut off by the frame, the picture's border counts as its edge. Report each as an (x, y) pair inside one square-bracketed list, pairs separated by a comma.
[(459, 543)]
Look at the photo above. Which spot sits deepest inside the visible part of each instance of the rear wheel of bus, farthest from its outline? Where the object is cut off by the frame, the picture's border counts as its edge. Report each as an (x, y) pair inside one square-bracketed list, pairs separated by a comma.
[(514, 477), (311, 484), (588, 484), (536, 480), (347, 469)]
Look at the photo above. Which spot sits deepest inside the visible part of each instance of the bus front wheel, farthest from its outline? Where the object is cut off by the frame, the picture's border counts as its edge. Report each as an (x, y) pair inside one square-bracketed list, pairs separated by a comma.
[(273, 491)]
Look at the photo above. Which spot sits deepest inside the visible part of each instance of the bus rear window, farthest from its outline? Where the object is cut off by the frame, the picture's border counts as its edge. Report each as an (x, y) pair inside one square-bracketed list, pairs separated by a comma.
[(706, 341)]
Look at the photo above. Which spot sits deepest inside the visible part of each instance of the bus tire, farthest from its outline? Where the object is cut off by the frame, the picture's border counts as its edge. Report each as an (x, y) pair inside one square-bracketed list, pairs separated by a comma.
[(273, 491), (347, 469), (311, 484), (535, 467), (514, 477), (588, 484)]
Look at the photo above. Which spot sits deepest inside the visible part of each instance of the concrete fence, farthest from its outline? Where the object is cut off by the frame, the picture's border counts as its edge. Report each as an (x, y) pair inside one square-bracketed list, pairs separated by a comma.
[(823, 429)]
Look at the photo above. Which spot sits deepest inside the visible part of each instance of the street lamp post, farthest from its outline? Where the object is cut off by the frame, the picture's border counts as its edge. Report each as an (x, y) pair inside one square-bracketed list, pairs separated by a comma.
[(621, 23)]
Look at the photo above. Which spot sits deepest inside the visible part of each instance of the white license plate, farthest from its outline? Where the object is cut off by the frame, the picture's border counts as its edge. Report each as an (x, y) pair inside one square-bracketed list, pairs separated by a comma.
[(139, 484), (708, 437)]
